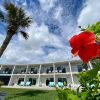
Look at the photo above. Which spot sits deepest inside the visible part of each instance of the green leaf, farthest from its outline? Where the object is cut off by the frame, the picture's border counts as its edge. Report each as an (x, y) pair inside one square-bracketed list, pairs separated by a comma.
[(84, 95), (73, 97)]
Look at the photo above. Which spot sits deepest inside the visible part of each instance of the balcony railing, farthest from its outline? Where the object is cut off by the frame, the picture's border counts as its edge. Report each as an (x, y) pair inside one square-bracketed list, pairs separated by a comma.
[(22, 71), (60, 70), (6, 71), (32, 72)]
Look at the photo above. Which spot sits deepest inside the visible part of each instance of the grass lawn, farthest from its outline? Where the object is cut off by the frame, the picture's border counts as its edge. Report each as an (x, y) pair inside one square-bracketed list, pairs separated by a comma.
[(25, 94)]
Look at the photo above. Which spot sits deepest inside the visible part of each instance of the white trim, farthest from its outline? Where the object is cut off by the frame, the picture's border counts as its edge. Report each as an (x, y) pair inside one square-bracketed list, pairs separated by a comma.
[(39, 75), (54, 73), (90, 65), (11, 75), (25, 74), (71, 75)]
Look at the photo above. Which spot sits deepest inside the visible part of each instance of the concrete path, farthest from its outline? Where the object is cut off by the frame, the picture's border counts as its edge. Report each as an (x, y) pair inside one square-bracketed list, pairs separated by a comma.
[(31, 87)]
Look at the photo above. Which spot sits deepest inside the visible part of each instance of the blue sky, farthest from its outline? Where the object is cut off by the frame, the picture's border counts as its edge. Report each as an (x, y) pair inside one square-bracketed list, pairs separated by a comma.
[(54, 23)]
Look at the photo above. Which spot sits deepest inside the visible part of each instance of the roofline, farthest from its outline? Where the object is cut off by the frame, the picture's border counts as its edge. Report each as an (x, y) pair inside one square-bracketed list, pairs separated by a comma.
[(77, 60)]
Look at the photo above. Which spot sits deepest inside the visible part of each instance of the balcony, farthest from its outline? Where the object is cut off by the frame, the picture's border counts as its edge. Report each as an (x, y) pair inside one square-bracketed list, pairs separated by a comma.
[(6, 69), (79, 68), (62, 68), (33, 69), (21, 69), (76, 67), (47, 69)]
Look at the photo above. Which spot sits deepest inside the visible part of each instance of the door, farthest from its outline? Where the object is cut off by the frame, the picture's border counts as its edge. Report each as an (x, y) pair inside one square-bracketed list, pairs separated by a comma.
[(33, 81), (47, 82), (20, 79)]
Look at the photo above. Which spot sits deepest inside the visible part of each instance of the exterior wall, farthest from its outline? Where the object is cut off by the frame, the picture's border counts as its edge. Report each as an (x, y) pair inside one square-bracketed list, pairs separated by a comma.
[(41, 76), (76, 79), (14, 79)]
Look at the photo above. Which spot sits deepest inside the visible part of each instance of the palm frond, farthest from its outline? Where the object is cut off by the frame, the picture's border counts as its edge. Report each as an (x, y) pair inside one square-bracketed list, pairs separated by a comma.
[(17, 17), (24, 34), (23, 19)]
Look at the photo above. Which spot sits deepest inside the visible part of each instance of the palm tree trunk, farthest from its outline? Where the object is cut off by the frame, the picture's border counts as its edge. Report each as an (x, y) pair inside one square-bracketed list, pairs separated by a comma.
[(5, 44)]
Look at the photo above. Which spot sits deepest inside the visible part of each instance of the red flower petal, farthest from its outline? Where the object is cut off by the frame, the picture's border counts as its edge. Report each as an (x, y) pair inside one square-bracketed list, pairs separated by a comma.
[(82, 39), (85, 46), (74, 42), (86, 37), (88, 52), (74, 52)]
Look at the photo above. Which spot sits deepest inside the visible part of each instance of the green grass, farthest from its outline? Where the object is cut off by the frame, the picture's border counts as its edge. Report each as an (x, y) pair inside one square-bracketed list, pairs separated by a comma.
[(24, 94)]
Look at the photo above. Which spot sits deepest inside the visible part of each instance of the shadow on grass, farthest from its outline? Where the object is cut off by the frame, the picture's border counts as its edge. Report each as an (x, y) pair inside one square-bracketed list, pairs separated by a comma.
[(28, 93)]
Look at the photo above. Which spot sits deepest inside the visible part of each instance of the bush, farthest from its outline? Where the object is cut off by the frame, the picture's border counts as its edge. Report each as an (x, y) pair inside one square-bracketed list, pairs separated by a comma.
[(65, 83), (1, 83), (66, 94)]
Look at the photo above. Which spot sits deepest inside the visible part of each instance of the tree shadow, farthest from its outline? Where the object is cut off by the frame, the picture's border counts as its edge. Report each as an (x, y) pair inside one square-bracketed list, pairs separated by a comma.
[(28, 93)]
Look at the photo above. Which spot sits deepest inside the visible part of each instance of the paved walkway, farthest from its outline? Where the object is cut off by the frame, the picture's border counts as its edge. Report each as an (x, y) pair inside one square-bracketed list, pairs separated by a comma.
[(31, 87)]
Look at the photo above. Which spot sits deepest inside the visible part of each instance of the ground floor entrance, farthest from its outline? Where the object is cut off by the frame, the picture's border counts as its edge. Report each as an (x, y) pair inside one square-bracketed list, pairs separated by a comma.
[(49, 80), (33, 81), (62, 80), (5, 79), (20, 80)]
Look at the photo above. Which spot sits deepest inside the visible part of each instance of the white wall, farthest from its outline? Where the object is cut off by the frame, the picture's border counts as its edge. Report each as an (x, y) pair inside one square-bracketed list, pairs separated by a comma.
[(76, 80), (15, 78)]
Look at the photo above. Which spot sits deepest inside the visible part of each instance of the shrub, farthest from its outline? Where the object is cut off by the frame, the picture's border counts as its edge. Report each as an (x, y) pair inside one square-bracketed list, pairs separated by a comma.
[(1, 83), (65, 83)]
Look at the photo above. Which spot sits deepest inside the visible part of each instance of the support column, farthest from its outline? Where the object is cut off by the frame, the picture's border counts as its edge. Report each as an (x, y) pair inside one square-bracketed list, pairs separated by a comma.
[(39, 75), (25, 74), (11, 75), (54, 74), (71, 74), (90, 65), (1, 67)]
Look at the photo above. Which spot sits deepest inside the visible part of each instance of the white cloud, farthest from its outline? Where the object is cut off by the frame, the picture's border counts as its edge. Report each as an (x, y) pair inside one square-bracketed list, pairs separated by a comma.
[(46, 5), (57, 13), (59, 55), (31, 51), (40, 36), (90, 13)]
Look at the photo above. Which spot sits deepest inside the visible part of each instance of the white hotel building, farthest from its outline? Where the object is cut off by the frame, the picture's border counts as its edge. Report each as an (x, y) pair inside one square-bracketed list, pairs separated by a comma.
[(42, 74)]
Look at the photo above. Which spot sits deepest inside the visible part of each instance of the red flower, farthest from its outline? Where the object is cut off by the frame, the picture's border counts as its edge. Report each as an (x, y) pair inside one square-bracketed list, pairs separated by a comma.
[(90, 51), (85, 46)]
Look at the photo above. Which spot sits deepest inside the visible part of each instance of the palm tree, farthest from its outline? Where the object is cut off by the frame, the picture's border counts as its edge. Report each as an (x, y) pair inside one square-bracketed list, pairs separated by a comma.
[(16, 20)]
